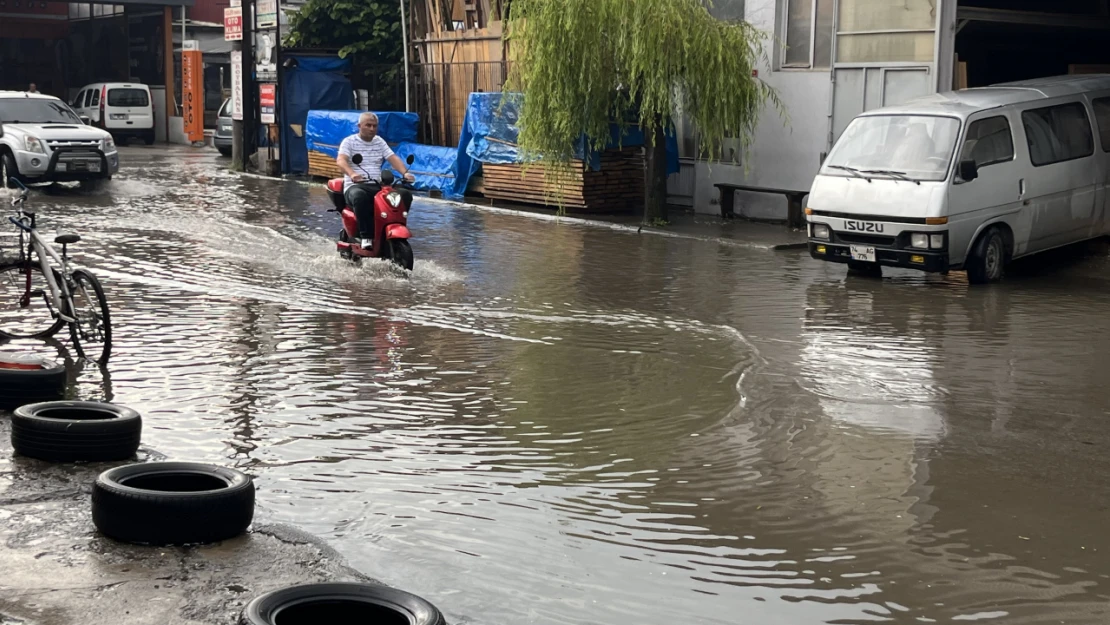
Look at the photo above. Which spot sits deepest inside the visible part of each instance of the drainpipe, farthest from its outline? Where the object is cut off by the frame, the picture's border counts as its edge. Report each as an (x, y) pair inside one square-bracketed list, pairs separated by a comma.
[(405, 42)]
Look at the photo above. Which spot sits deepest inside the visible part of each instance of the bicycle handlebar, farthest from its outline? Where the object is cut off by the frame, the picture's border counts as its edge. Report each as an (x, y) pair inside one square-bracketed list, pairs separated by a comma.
[(19, 224)]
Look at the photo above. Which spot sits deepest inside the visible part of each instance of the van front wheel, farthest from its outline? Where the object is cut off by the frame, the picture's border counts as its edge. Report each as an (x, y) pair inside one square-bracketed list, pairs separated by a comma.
[(987, 262)]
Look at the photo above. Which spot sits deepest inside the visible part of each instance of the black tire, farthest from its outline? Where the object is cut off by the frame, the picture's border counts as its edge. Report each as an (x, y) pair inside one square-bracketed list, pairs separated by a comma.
[(92, 334), (30, 386), (347, 255), (987, 261), (400, 252), (76, 431), (35, 320), (869, 270), (313, 604), (148, 137), (225, 151), (8, 169), (172, 503)]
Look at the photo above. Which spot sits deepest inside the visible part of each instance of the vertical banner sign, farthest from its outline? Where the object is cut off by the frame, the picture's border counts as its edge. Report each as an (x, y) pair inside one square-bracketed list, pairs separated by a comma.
[(267, 14), (233, 24), (267, 101), (192, 91), (237, 85)]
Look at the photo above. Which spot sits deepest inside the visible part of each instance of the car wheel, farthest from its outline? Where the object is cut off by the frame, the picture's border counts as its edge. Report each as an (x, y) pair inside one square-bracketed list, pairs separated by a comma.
[(8, 170)]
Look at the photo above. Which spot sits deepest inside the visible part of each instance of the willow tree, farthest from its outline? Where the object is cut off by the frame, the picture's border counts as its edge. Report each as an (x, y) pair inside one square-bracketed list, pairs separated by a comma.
[(584, 64)]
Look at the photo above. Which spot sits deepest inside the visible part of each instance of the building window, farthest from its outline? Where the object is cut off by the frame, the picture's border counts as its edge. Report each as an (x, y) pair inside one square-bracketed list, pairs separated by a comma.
[(886, 32), (808, 33)]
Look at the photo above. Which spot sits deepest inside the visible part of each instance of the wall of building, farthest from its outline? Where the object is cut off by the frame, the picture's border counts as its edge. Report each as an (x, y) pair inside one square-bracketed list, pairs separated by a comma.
[(783, 156)]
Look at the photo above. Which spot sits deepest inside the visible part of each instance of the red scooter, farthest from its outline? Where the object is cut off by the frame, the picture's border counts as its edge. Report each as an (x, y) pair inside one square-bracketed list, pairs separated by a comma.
[(391, 212)]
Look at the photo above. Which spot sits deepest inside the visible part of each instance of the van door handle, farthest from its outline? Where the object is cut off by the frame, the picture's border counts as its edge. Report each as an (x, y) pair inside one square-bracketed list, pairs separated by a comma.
[(1021, 187)]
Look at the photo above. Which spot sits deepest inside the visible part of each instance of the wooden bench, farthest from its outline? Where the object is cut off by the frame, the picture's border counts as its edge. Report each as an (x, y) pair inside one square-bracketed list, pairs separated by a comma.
[(794, 218)]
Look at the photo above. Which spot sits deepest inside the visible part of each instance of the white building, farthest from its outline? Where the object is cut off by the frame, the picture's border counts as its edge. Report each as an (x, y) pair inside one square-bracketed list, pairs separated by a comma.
[(837, 58)]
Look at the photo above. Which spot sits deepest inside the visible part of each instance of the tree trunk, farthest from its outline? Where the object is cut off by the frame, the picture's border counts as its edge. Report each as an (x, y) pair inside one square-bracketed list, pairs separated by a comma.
[(655, 176)]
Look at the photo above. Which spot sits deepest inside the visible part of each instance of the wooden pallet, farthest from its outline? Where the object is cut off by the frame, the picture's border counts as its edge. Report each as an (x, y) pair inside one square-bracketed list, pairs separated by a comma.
[(617, 186)]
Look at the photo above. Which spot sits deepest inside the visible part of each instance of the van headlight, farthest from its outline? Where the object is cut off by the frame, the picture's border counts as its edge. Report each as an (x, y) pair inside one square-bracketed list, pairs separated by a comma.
[(919, 241), (820, 231), (936, 241), (394, 199), (33, 144)]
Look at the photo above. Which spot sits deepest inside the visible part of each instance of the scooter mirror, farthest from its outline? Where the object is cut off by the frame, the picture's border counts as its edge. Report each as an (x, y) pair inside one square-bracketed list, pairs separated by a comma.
[(410, 159), (356, 159)]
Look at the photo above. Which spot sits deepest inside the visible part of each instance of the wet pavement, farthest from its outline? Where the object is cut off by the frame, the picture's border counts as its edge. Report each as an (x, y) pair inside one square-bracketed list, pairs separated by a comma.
[(559, 423)]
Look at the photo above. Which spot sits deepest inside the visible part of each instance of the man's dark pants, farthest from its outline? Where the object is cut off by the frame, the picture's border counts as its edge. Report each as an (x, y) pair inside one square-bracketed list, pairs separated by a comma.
[(360, 197)]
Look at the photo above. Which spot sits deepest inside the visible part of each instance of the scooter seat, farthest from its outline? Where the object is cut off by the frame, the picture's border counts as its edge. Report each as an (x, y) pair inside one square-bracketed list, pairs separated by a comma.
[(67, 238)]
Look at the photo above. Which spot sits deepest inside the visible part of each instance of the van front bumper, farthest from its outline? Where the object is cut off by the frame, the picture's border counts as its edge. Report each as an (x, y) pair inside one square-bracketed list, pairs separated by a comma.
[(934, 262)]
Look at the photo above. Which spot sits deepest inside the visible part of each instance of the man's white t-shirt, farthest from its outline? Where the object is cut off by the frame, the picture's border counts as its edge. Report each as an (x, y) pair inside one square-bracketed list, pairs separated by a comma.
[(374, 153)]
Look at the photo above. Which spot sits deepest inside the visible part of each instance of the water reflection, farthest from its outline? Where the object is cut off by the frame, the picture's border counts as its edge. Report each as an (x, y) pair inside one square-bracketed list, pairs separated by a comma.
[(555, 424)]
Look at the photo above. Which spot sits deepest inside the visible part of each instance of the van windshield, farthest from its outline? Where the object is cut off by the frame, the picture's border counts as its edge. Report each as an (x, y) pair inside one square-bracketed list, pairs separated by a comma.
[(128, 97), (917, 147)]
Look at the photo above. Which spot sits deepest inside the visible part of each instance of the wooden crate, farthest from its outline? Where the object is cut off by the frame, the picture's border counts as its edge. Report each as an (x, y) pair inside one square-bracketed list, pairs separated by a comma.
[(617, 187)]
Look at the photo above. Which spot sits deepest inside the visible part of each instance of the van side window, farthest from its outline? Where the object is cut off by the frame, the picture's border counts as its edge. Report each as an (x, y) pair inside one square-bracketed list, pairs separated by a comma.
[(988, 142), (77, 102), (95, 97), (1102, 117), (1058, 133), (88, 98)]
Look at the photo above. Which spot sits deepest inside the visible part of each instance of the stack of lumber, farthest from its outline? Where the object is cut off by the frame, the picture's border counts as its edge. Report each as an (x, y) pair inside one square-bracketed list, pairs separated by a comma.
[(322, 165), (617, 186)]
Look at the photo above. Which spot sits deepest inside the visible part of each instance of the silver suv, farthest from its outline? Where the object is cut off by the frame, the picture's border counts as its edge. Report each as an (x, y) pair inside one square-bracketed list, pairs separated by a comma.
[(43, 140)]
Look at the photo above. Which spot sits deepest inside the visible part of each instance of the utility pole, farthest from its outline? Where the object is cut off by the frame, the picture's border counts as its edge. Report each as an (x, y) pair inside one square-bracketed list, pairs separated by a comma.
[(405, 46), (249, 125), (238, 88)]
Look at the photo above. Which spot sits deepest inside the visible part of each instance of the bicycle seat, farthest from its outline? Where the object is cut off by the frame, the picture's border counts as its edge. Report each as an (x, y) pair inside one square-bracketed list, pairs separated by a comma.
[(67, 238)]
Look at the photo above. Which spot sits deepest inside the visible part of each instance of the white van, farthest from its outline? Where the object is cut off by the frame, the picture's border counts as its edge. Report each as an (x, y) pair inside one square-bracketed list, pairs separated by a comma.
[(967, 180), (123, 109)]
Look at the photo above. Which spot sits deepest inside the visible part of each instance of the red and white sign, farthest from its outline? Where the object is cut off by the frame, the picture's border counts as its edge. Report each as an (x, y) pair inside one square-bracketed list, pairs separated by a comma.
[(233, 24), (267, 101)]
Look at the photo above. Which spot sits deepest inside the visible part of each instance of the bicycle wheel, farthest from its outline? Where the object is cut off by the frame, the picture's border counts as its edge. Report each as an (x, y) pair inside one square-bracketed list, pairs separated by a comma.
[(25, 307), (92, 332)]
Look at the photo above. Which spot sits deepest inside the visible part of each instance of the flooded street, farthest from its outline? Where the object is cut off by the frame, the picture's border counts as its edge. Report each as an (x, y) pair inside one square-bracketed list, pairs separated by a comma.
[(558, 424)]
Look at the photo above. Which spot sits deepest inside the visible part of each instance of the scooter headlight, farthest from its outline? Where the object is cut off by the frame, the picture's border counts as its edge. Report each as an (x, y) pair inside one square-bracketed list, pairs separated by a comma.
[(394, 199)]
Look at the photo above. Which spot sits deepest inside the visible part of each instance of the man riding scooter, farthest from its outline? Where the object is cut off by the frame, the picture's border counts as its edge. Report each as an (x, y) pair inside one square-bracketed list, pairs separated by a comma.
[(359, 186)]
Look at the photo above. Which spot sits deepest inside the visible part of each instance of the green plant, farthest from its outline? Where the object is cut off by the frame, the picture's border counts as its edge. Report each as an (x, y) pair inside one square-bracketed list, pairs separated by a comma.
[(583, 63), (369, 29)]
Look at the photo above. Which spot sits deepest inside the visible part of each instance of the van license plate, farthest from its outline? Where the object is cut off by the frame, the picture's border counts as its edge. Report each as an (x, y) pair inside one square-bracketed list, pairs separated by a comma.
[(864, 253)]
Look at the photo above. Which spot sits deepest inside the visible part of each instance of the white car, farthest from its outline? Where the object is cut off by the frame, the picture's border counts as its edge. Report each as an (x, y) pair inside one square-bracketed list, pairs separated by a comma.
[(43, 140), (123, 109)]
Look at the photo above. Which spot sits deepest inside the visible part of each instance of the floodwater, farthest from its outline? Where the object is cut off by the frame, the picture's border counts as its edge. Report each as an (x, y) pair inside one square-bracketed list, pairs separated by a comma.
[(550, 423)]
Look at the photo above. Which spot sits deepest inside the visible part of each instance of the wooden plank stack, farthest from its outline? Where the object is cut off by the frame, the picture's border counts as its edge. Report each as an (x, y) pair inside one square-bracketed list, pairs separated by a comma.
[(617, 187), (322, 165)]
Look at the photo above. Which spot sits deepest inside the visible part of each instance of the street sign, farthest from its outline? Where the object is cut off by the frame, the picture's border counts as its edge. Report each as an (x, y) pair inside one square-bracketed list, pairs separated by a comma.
[(267, 103), (265, 56), (267, 14), (233, 24), (237, 85), (192, 91)]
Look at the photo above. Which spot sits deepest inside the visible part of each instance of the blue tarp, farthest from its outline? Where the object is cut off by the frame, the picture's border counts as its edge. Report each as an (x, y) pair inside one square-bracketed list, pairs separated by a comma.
[(433, 167), (313, 83), (324, 130), (491, 129)]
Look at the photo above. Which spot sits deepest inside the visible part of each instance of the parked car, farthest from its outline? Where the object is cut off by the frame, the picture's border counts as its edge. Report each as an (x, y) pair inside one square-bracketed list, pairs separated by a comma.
[(222, 138), (123, 109), (43, 140), (967, 180)]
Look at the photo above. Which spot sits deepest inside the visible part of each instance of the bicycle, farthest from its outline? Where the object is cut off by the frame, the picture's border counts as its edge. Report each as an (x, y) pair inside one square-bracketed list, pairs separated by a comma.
[(68, 295)]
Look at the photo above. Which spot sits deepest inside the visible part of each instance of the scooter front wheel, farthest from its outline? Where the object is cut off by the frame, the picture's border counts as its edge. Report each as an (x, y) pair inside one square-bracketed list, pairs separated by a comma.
[(400, 252), (346, 254)]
